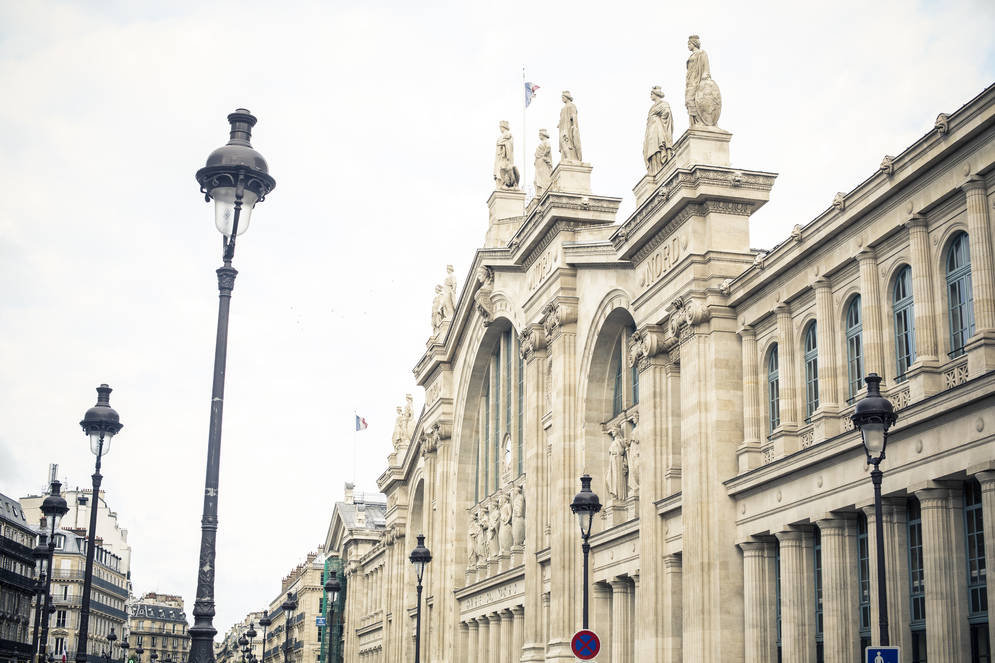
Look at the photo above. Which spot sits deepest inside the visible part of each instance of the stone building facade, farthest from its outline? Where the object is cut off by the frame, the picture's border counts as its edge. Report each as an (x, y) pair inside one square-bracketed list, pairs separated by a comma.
[(17, 582), (158, 623), (303, 638), (707, 387), (229, 651)]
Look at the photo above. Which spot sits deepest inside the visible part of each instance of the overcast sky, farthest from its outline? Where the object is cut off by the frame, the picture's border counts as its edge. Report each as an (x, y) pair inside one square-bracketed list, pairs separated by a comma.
[(378, 121)]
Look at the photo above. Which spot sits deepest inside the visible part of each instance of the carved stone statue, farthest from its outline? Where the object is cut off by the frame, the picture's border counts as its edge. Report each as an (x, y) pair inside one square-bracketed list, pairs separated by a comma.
[(400, 428), (504, 533), (409, 417), (493, 520), (615, 475), (569, 131), (518, 516), (701, 94), (658, 143), (451, 287), (442, 312), (471, 541), (480, 517), (543, 163), (505, 173), (632, 456)]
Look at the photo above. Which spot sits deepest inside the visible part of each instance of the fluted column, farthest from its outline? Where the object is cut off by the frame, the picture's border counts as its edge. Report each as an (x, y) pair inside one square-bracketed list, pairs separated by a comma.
[(494, 632), (945, 574), (673, 614), (483, 639), (826, 334), (534, 355), (749, 455), (987, 481), (982, 260), (894, 512), (463, 642), (924, 309), (838, 607), (797, 598), (786, 367), (621, 621), (756, 596), (601, 617), (517, 632), (472, 641), (507, 640), (870, 312)]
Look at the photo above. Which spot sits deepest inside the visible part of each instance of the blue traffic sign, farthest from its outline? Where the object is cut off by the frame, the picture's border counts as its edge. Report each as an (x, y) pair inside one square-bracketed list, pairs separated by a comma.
[(319, 621), (881, 655), (585, 644)]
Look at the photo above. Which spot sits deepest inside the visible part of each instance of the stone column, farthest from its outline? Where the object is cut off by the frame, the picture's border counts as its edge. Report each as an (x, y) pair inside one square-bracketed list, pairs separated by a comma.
[(825, 420), (749, 455), (797, 596), (517, 632), (621, 633), (473, 642), (494, 634), (507, 646), (987, 481), (786, 369), (601, 617), (534, 354), (945, 575), (981, 347), (756, 596), (894, 511), (483, 639), (770, 614), (870, 313), (463, 644), (673, 613), (924, 377), (838, 606)]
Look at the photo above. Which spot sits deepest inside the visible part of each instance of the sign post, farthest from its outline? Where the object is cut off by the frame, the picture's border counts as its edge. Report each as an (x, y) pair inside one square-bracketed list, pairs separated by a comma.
[(882, 655), (585, 644)]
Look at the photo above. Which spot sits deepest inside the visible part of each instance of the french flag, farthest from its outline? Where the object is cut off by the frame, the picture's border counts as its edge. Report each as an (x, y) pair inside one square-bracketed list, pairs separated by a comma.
[(530, 91), (360, 423)]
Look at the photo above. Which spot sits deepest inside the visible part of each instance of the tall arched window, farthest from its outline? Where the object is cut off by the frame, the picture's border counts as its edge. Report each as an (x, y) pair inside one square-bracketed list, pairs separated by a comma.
[(625, 384), (960, 299), (773, 391), (905, 328), (811, 356), (854, 348), (499, 417)]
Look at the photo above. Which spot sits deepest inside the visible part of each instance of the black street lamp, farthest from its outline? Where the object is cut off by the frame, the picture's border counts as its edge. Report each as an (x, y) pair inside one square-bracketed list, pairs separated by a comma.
[(236, 178), (420, 557), (139, 650), (288, 610), (100, 423), (53, 508), (124, 649), (873, 416), (243, 646), (332, 587), (40, 554), (585, 505), (250, 634), (111, 639), (265, 621)]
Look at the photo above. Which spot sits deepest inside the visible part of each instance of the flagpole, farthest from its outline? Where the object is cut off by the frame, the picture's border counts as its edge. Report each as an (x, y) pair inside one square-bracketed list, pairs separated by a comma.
[(525, 155), (355, 425)]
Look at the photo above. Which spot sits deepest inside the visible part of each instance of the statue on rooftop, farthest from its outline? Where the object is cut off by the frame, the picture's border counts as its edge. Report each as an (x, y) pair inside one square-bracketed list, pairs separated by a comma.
[(569, 131), (658, 143), (701, 94), (505, 173)]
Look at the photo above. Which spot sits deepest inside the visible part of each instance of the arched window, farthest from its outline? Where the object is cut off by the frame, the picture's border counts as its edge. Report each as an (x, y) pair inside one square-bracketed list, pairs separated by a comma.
[(625, 384), (773, 391), (905, 328), (960, 299), (854, 348), (811, 355), (499, 417)]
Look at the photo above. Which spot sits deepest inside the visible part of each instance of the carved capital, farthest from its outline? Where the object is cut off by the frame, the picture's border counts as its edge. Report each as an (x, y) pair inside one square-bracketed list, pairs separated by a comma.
[(533, 339), (644, 344), (555, 315), (917, 221), (433, 436), (972, 183), (685, 314)]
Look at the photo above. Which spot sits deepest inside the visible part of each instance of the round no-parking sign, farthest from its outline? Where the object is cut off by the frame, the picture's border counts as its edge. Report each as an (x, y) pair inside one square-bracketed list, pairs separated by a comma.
[(585, 644)]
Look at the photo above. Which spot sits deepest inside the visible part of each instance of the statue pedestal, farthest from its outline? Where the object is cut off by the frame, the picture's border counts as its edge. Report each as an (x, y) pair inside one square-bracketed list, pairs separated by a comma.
[(506, 211), (698, 146), (504, 562), (571, 177), (517, 556), (632, 507), (614, 513)]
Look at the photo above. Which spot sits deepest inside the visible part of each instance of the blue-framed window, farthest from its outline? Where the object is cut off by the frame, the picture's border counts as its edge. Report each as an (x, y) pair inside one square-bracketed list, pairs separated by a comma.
[(977, 590), (618, 390), (854, 331), (810, 350), (624, 394), (960, 298), (905, 326), (817, 565), (917, 583), (864, 580), (773, 391)]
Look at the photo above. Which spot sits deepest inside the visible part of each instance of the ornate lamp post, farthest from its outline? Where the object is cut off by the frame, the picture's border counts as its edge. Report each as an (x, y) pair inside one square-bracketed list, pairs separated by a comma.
[(40, 554), (236, 178), (100, 423), (265, 621), (124, 649), (585, 505), (53, 508), (873, 416), (111, 639), (288, 609), (243, 646), (250, 634), (420, 557), (139, 651), (332, 587)]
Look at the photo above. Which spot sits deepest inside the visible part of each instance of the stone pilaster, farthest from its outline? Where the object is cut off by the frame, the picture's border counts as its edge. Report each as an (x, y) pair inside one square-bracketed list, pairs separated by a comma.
[(825, 422), (621, 633), (896, 552), (789, 395), (673, 613), (945, 576), (756, 596), (494, 638), (601, 617), (533, 348), (870, 312), (797, 596), (473, 643), (770, 614), (463, 642), (507, 641), (924, 375), (483, 639), (749, 454), (517, 632), (981, 347), (987, 481), (711, 431), (839, 610)]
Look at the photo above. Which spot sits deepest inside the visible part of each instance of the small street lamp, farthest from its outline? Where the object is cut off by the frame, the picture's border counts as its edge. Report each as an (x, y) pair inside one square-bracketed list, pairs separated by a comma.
[(111, 639), (243, 646), (584, 506), (332, 587), (53, 508), (288, 609), (40, 554), (236, 177), (124, 649), (100, 423), (139, 650), (250, 634), (265, 621), (420, 557), (873, 416)]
